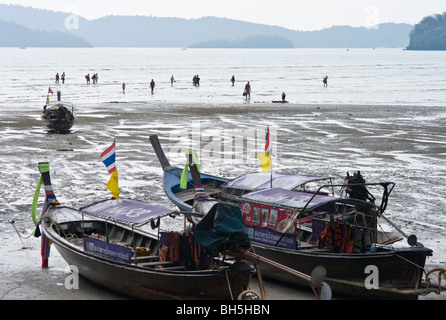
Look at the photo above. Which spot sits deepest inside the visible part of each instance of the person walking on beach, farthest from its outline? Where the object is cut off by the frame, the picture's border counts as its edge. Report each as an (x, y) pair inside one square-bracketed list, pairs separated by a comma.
[(172, 80), (247, 92), (233, 80), (152, 86), (325, 81), (63, 77), (95, 78), (57, 77), (123, 87), (87, 77), (283, 96)]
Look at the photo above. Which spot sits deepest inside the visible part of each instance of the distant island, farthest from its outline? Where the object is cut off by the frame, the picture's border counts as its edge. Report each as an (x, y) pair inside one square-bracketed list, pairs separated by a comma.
[(27, 26), (14, 35), (429, 34)]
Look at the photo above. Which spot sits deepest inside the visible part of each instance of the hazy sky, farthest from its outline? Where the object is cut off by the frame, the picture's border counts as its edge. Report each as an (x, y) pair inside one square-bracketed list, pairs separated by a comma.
[(292, 14)]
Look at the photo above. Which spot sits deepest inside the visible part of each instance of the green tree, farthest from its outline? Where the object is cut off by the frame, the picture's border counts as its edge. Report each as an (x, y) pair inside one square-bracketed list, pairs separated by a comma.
[(429, 34)]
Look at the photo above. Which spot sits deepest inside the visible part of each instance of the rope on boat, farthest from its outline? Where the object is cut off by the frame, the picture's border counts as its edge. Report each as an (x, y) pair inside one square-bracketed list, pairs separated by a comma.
[(441, 274), (227, 280), (20, 236), (46, 217), (427, 274)]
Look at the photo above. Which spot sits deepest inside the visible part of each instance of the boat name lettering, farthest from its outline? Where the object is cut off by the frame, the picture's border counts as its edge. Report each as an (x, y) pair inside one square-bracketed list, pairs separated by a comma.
[(270, 237), (108, 250)]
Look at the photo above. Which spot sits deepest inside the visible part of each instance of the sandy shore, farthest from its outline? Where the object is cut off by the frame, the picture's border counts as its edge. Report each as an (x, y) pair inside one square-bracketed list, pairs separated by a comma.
[(403, 144)]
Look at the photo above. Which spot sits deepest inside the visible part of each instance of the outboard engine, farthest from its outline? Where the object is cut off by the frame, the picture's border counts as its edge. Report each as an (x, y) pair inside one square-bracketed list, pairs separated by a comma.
[(356, 188)]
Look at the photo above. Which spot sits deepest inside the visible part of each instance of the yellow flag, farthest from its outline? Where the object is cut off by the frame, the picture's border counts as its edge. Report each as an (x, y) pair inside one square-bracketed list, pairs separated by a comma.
[(265, 161), (47, 98), (112, 184)]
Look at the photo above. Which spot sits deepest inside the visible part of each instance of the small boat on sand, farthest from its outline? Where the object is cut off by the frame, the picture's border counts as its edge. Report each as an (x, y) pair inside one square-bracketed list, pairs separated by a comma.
[(108, 245), (59, 116)]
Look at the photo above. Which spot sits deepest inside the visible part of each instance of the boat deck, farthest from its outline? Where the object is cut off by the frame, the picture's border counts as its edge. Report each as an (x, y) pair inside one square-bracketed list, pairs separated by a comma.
[(144, 249), (189, 194), (148, 261)]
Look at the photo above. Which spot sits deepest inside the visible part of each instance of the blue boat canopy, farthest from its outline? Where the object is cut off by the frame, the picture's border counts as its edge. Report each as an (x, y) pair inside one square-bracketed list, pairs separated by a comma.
[(288, 198), (260, 180), (127, 211)]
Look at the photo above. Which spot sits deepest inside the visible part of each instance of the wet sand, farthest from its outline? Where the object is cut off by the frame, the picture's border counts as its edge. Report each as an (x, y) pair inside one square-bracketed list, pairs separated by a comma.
[(404, 144)]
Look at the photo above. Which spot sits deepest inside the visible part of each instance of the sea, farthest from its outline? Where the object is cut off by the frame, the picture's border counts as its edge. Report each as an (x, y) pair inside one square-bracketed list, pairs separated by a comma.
[(355, 76), (383, 113)]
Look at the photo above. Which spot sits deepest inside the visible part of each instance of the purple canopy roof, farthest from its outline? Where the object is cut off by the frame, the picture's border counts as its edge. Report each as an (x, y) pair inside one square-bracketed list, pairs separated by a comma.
[(260, 180), (126, 210), (287, 198)]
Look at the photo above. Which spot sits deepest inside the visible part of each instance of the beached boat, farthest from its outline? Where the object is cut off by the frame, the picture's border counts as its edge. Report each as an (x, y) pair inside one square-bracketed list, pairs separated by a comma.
[(300, 229), (183, 198), (58, 116), (106, 242)]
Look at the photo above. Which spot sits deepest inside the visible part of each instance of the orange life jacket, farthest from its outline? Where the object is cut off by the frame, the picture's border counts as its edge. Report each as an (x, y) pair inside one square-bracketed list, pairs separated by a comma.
[(175, 247), (348, 239), (334, 238)]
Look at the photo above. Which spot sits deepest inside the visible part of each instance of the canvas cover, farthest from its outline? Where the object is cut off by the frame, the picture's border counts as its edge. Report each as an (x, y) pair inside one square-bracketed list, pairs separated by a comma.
[(260, 180), (288, 198), (127, 211), (221, 228)]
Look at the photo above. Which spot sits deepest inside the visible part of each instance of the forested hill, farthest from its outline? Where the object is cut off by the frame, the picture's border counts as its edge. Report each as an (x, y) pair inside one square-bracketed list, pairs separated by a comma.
[(144, 31), (14, 35), (429, 34)]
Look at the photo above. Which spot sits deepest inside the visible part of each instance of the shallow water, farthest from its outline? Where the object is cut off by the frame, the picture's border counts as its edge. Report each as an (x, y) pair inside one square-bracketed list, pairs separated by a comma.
[(356, 76)]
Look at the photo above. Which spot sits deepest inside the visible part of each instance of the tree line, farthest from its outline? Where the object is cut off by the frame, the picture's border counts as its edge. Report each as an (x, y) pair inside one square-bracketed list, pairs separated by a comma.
[(429, 34)]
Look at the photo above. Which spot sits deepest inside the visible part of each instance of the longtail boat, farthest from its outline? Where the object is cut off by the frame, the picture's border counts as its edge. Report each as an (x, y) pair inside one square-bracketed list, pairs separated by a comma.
[(105, 241), (58, 116), (302, 229)]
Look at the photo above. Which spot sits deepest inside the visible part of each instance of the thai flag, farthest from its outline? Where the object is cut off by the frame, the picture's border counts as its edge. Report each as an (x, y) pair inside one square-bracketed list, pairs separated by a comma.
[(268, 146), (50, 90), (108, 157)]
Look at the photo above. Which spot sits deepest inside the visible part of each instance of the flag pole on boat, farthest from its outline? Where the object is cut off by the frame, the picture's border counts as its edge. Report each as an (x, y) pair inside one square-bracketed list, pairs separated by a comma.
[(266, 158), (108, 157), (50, 199)]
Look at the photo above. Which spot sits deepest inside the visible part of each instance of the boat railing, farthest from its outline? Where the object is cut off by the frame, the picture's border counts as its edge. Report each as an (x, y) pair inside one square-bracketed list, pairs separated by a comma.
[(387, 186)]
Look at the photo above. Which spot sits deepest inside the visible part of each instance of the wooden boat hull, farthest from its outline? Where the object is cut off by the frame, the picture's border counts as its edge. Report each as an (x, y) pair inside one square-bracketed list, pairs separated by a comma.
[(58, 116), (58, 125), (151, 283), (184, 199), (398, 273)]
